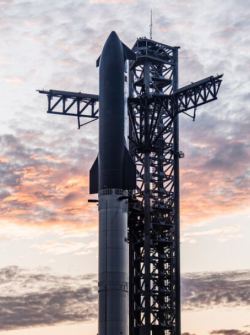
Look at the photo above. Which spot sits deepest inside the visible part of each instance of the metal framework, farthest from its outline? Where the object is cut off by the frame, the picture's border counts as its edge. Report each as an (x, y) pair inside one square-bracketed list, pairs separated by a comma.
[(153, 107), (79, 104), (154, 104)]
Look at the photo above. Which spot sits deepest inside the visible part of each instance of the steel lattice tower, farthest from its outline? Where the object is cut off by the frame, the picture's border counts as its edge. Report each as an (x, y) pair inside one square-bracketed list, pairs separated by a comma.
[(154, 219)]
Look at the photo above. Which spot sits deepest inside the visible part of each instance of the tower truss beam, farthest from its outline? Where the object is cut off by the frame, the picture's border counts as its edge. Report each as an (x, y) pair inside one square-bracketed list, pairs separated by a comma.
[(196, 94), (81, 105), (164, 108)]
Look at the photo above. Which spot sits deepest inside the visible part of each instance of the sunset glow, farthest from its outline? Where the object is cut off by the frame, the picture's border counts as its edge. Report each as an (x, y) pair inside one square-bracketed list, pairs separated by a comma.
[(49, 230)]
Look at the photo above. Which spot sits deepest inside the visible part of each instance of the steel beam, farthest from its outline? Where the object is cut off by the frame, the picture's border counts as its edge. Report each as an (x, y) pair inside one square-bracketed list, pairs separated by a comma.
[(177, 274), (81, 105)]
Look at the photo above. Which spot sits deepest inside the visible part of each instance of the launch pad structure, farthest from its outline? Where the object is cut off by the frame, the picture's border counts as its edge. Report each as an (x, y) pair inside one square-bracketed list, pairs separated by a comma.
[(154, 104)]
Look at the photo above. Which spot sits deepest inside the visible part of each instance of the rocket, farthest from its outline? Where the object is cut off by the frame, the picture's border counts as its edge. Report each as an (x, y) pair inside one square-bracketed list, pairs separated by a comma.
[(112, 175)]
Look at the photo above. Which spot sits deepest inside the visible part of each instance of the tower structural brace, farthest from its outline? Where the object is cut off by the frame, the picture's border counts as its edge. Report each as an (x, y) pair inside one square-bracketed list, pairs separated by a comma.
[(154, 103)]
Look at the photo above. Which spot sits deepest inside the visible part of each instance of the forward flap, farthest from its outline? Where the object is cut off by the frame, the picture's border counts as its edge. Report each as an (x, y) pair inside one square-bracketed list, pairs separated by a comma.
[(128, 53)]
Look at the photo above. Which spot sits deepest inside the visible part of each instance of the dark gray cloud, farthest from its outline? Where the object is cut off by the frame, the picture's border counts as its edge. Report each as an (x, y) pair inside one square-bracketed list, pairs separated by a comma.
[(207, 290), (32, 298), (40, 298)]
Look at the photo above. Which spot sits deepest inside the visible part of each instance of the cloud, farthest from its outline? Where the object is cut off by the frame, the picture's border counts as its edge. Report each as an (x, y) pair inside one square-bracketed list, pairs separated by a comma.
[(215, 176), (221, 234), (67, 62), (213, 289), (224, 332), (6, 2), (58, 248), (14, 80), (45, 180), (39, 298), (229, 332), (44, 183), (44, 163)]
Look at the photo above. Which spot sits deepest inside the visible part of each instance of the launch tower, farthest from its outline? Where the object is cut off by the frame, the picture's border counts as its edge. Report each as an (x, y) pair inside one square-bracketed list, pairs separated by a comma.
[(154, 220)]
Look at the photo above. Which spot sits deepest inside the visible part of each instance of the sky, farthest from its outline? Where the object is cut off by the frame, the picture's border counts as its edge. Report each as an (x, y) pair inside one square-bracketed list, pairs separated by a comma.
[(48, 230)]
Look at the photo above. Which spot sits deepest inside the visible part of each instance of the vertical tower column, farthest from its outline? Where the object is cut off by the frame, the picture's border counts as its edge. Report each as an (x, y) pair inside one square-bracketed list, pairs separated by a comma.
[(147, 214), (177, 202), (153, 235)]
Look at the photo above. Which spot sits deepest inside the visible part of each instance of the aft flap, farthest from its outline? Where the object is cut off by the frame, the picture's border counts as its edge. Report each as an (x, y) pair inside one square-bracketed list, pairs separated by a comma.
[(129, 171), (93, 178), (128, 53)]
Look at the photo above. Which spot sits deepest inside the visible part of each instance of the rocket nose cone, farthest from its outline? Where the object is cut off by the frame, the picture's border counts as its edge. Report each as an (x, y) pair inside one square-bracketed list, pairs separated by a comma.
[(113, 36), (113, 33), (112, 48)]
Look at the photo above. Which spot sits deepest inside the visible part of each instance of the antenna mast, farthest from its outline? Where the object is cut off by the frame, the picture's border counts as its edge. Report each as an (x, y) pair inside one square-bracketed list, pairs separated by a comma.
[(151, 26)]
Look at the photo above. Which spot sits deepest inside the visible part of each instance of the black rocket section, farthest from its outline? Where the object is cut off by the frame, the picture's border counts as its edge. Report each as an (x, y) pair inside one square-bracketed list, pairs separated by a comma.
[(114, 167)]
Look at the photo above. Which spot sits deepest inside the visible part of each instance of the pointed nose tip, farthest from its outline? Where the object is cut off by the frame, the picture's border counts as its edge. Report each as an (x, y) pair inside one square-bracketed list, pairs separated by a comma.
[(113, 36), (113, 33)]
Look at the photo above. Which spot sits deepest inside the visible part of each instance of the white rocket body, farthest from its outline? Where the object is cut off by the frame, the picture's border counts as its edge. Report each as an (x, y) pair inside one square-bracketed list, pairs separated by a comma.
[(113, 263)]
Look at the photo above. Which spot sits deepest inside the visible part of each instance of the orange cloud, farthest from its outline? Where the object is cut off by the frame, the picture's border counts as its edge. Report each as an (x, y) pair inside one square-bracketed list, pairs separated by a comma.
[(209, 194), (48, 188), (42, 190), (47, 157)]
